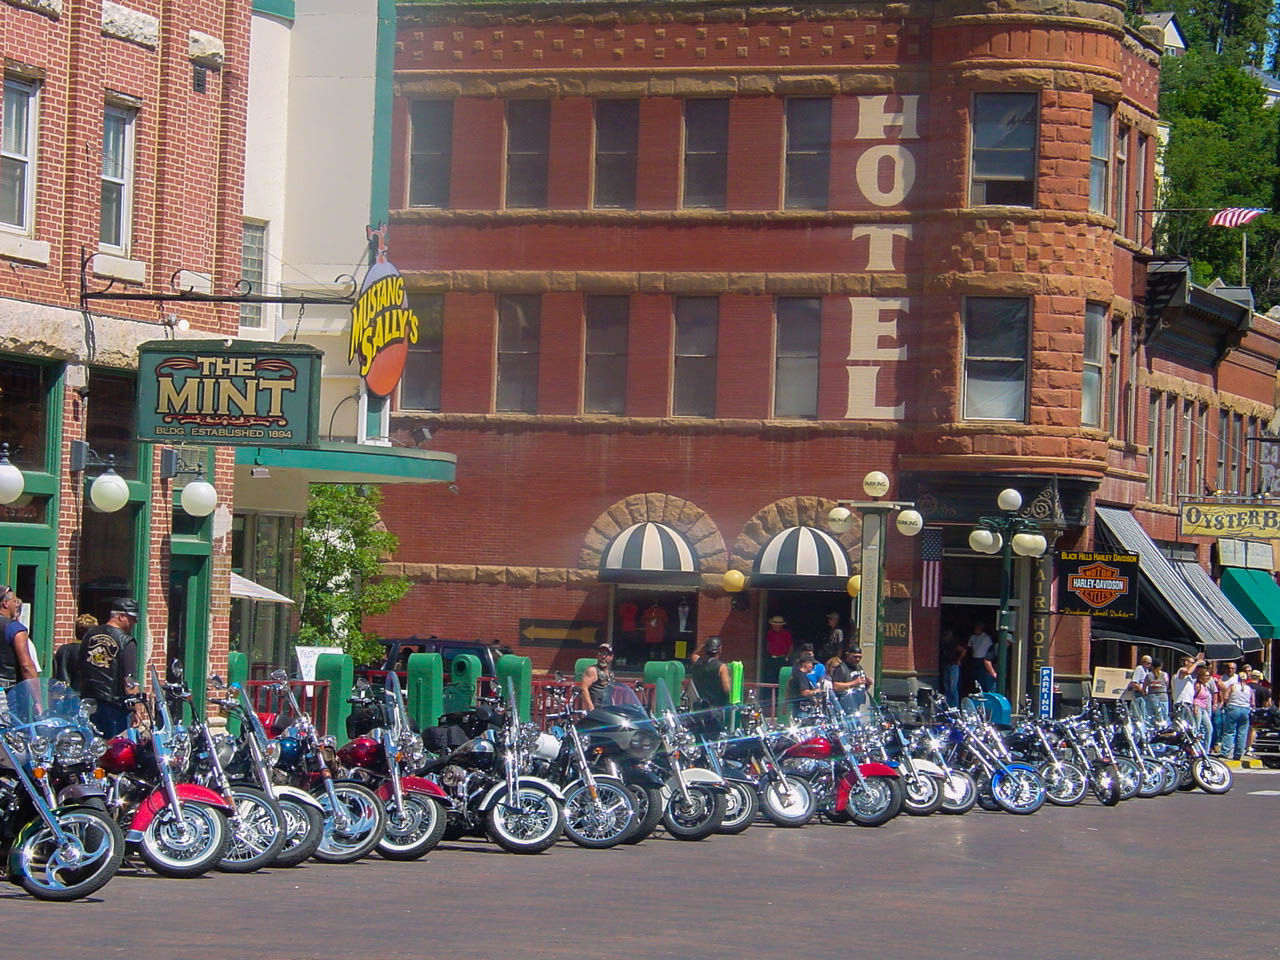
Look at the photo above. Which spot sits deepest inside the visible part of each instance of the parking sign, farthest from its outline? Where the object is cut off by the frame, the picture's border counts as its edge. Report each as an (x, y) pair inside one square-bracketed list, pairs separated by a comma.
[(1046, 692)]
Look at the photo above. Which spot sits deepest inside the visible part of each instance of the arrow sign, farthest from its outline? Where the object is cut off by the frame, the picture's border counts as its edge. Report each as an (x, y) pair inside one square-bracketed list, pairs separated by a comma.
[(560, 633)]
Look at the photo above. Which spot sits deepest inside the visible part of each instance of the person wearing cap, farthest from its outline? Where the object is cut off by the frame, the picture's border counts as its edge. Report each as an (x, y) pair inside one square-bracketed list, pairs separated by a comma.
[(802, 691), (597, 678), (850, 682), (777, 646), (109, 655), (15, 649), (711, 679), (834, 644)]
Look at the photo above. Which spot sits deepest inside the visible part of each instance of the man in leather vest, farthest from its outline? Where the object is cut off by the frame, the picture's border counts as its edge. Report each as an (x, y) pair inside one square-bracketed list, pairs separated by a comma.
[(15, 653), (596, 678), (109, 654), (711, 679)]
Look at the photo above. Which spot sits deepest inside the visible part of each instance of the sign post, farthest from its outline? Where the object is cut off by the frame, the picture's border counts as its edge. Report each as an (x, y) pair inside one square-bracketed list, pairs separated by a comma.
[(1046, 692)]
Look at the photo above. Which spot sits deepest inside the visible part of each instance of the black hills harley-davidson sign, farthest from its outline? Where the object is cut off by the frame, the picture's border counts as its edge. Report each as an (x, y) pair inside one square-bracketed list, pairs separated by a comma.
[(1098, 584)]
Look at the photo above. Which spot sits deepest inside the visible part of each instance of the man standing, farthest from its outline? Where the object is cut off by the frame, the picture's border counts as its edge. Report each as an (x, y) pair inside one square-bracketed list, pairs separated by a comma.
[(850, 682), (711, 680), (802, 692), (108, 655), (1136, 691), (982, 651), (15, 650), (596, 678)]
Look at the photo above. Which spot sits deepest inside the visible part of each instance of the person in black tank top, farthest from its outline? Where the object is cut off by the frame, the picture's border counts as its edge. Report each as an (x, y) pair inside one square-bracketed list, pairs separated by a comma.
[(597, 678)]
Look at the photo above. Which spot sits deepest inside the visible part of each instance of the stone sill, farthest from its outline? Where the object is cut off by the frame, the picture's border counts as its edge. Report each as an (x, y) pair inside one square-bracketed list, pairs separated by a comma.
[(112, 267), (14, 246)]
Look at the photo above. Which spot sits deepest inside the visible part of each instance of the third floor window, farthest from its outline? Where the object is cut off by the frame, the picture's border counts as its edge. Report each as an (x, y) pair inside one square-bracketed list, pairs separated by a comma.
[(1003, 166), (617, 135), (706, 153), (430, 152), (519, 325), (528, 138), (1100, 157), (808, 153), (18, 155), (116, 214), (697, 326), (606, 380), (795, 380)]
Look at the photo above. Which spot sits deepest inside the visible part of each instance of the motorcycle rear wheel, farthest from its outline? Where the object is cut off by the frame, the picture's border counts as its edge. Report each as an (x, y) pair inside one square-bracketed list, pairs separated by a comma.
[(788, 811), (413, 832), (1018, 791), (598, 828), (741, 805), (876, 803), (1065, 784), (533, 823), (1104, 781), (305, 826), (366, 821), (98, 851), (959, 793), (260, 836), (648, 804), (921, 795), (697, 819), (170, 854), (1211, 775)]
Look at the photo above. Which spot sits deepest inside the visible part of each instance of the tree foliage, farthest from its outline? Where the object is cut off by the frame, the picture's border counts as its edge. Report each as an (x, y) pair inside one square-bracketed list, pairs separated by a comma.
[(343, 545)]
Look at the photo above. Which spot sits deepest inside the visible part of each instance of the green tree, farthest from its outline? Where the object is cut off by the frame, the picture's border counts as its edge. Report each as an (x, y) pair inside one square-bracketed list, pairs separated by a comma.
[(343, 545)]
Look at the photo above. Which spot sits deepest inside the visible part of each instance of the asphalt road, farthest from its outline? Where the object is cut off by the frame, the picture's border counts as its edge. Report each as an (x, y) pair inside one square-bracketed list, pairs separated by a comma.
[(1188, 875)]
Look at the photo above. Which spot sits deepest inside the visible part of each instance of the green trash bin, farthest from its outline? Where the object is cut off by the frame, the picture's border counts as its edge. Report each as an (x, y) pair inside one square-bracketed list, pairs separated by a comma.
[(464, 674), (425, 687)]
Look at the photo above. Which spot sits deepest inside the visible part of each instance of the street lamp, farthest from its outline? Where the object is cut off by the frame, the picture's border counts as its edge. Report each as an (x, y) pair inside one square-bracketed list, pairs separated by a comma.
[(109, 491), (1006, 535), (199, 497), (868, 586)]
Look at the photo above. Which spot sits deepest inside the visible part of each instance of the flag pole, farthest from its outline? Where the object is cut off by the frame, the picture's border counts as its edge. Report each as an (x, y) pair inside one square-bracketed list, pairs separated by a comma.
[(1244, 256)]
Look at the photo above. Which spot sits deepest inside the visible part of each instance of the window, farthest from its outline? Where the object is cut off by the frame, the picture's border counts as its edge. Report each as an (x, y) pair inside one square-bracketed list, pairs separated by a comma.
[(18, 155), (1139, 191), (528, 136), (253, 260), (795, 380), (1153, 443), (109, 425), (1233, 454), (697, 326), (519, 320), (1121, 209), (1201, 443), (995, 358), (24, 412), (420, 386), (808, 153), (1186, 456), (1113, 379), (1003, 166), (1250, 457), (1100, 157), (1095, 325), (117, 178), (1166, 449), (606, 379), (706, 153), (1222, 449), (617, 133), (430, 152)]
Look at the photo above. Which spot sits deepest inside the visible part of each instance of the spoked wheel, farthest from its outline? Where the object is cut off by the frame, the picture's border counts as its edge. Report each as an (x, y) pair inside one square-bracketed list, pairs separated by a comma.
[(959, 793), (1130, 778), (412, 830), (1152, 783), (985, 800), (648, 804), (696, 819), (789, 805), (1211, 775), (257, 832), (186, 848), (1104, 781), (364, 820), (875, 801), (304, 826), (91, 855), (740, 807), (921, 794), (1171, 776), (1018, 790), (1065, 784), (530, 822), (601, 821)]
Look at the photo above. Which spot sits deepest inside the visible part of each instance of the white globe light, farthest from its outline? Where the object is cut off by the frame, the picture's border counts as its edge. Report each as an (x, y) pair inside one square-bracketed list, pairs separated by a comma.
[(109, 492), (981, 540), (840, 520), (1009, 500), (1024, 544), (199, 498), (909, 523), (998, 544), (1041, 545), (876, 484), (12, 482)]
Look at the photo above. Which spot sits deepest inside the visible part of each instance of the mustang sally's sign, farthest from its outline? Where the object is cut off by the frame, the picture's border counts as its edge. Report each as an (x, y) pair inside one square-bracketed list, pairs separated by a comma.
[(1216, 519), (1098, 584), (242, 394)]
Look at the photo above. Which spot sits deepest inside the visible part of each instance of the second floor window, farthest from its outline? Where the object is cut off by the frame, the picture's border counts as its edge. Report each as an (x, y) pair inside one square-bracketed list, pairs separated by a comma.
[(697, 329), (253, 270), (519, 323), (808, 153), (1003, 165), (430, 152), (1223, 421), (18, 155), (1100, 157), (420, 386), (706, 153), (1120, 209), (528, 138), (617, 137), (795, 381), (606, 380), (995, 358), (1114, 379), (117, 178), (1095, 340)]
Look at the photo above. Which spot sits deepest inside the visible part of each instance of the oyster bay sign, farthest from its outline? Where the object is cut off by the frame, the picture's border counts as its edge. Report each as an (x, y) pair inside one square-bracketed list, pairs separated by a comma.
[(1217, 519)]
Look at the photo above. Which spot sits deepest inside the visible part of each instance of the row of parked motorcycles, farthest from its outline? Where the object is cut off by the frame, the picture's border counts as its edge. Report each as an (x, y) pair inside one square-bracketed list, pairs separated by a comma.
[(269, 790)]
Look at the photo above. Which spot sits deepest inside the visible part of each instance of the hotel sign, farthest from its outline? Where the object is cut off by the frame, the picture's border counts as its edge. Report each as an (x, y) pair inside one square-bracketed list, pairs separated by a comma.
[(228, 393), (1098, 584), (1217, 519)]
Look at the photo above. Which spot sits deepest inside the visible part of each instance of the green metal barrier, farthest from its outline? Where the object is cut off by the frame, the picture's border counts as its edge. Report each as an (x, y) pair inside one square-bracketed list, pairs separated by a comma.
[(669, 673), (580, 666), (784, 705), (425, 686), (460, 692), (520, 671), (237, 672), (735, 693), (337, 670)]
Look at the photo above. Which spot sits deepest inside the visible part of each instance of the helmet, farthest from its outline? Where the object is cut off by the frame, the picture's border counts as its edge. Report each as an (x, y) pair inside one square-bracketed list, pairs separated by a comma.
[(713, 645), (120, 756)]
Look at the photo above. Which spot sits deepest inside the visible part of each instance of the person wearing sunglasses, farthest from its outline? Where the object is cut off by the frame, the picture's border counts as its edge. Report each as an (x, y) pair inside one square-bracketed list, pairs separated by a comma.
[(16, 664)]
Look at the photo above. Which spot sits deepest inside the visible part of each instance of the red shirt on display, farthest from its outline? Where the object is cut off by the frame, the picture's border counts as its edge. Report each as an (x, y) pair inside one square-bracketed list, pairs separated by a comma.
[(627, 614), (655, 624)]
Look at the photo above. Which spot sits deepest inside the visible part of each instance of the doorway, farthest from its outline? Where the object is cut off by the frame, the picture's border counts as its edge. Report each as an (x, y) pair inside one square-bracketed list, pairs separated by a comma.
[(187, 631), (26, 570)]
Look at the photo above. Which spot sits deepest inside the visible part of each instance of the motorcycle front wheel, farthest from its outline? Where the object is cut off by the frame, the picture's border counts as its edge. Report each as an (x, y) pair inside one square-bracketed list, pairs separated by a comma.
[(959, 793), (697, 819), (529, 823), (1211, 775), (600, 822), (789, 805), (91, 857), (1065, 784), (187, 848), (1017, 790), (648, 804), (304, 826), (1104, 780), (257, 833), (413, 830), (365, 821), (1152, 783), (1171, 776), (877, 801), (921, 794), (1130, 778), (740, 808)]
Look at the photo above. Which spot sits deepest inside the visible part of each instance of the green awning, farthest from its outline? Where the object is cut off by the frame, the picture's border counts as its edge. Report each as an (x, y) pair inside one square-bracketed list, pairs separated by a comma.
[(1256, 595)]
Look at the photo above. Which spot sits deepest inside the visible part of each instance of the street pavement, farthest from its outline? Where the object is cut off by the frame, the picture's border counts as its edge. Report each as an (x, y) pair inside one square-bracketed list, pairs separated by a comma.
[(1189, 875)]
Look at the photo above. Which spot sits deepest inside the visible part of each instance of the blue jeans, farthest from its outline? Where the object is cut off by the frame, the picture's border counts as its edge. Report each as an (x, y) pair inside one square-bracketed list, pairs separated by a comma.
[(1203, 724), (951, 683), (1216, 742), (1235, 731), (1158, 709)]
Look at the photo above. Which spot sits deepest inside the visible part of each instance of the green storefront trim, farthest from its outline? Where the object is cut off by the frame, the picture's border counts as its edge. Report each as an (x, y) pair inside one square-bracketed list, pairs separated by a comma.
[(1257, 596), (354, 463), (284, 9)]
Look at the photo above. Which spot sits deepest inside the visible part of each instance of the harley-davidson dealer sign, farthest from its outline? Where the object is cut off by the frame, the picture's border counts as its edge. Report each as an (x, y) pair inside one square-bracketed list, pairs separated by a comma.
[(1098, 584)]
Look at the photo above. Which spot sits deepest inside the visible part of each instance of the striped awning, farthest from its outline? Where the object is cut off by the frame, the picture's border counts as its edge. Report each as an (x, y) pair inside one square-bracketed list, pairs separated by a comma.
[(649, 552), (802, 558), (1209, 592)]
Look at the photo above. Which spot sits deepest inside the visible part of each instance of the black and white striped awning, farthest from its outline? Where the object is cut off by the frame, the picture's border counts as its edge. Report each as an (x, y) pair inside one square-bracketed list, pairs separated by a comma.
[(649, 552), (802, 558)]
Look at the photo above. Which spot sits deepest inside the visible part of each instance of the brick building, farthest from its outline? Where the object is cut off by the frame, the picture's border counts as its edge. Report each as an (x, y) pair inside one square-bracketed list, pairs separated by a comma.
[(123, 165), (705, 265)]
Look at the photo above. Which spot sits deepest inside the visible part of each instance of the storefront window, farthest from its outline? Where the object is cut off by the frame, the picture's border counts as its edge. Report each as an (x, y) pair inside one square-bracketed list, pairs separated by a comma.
[(24, 412), (262, 549), (111, 423), (652, 625), (107, 546)]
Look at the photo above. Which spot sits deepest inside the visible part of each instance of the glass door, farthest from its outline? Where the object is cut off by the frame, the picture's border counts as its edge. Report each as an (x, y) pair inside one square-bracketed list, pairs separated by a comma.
[(27, 572), (187, 631)]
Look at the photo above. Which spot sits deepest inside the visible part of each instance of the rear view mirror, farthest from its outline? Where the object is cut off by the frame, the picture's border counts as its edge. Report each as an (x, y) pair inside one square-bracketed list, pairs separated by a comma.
[(175, 669), (279, 676), (216, 681)]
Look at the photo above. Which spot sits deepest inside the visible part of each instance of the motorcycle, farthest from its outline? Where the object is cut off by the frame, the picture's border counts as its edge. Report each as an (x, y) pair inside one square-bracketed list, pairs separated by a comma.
[(354, 817), (1208, 773), (599, 811), (1092, 750), (415, 806), (1266, 742), (1033, 741), (1003, 783), (923, 782), (694, 798), (785, 801), (959, 789), (57, 850), (1151, 775)]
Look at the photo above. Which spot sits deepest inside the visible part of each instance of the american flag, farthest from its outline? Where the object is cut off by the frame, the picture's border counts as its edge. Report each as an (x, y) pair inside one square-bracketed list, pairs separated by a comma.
[(1236, 216), (931, 567)]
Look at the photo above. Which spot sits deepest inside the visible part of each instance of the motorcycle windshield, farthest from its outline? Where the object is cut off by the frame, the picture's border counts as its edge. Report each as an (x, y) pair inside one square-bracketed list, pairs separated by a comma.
[(395, 700), (37, 702), (622, 695), (251, 715)]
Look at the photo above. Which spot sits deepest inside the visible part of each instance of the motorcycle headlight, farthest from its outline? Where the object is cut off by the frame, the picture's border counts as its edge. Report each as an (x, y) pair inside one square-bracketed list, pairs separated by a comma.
[(225, 745), (330, 742), (70, 746), (271, 752), (179, 748), (39, 744), (97, 747)]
